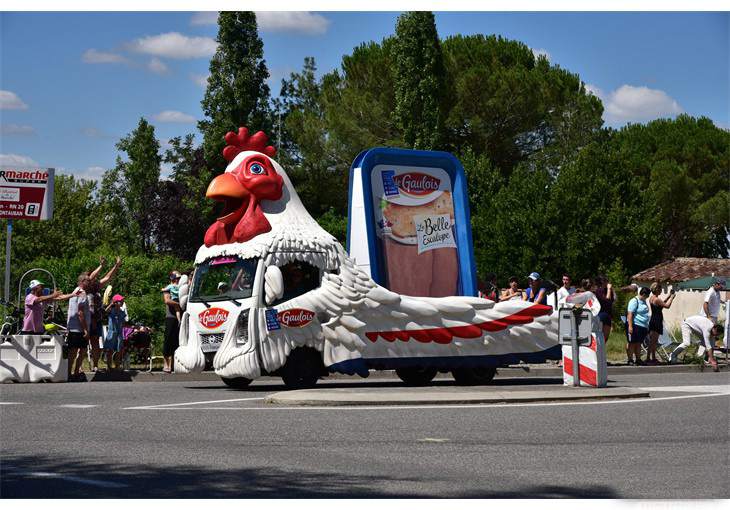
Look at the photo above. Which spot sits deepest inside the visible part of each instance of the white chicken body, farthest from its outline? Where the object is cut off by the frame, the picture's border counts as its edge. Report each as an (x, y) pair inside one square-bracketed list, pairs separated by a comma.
[(355, 323)]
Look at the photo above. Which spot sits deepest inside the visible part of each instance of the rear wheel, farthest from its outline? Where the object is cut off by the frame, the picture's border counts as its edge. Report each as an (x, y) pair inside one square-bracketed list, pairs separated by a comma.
[(302, 368), (416, 376), (237, 383), (473, 376)]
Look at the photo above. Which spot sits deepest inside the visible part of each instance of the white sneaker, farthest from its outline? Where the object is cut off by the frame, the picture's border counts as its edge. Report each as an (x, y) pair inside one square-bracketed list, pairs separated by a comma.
[(672, 359)]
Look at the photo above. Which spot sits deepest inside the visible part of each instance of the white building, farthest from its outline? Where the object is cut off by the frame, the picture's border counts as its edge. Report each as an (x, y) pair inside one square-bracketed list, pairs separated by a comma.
[(679, 270)]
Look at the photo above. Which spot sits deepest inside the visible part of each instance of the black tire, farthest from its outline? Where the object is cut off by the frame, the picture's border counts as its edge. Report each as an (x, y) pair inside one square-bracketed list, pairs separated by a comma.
[(237, 383), (416, 376), (473, 376), (302, 368)]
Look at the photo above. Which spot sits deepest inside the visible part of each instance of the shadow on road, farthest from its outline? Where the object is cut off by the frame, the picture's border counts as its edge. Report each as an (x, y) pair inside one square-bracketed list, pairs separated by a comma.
[(43, 478)]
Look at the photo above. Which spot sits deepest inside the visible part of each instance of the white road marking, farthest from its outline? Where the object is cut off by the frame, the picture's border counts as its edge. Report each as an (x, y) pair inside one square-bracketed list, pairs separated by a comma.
[(432, 440), (159, 406), (694, 389), (643, 401), (70, 478), (11, 403), (78, 406)]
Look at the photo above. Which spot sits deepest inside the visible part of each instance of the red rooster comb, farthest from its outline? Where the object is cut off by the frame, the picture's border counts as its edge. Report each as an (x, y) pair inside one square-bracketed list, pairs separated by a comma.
[(244, 142)]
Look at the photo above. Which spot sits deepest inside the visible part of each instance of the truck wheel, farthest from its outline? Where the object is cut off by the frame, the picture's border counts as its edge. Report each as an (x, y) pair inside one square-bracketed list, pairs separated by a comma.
[(302, 368), (237, 383), (416, 376), (473, 376)]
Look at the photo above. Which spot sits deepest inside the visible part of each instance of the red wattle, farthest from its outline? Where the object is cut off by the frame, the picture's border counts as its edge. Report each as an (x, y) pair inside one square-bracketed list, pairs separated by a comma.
[(252, 224)]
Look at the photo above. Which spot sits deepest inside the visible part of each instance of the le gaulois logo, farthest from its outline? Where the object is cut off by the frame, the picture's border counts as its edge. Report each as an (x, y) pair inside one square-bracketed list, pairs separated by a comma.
[(416, 183), (295, 317), (213, 317)]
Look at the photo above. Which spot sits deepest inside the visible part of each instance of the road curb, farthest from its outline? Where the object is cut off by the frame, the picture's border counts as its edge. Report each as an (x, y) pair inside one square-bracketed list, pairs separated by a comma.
[(504, 372), (446, 396)]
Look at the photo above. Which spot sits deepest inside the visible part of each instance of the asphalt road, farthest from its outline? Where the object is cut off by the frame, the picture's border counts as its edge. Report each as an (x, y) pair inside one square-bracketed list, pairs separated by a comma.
[(200, 439)]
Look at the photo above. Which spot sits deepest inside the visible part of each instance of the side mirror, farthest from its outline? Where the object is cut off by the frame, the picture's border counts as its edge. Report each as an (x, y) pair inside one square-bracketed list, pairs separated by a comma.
[(273, 284)]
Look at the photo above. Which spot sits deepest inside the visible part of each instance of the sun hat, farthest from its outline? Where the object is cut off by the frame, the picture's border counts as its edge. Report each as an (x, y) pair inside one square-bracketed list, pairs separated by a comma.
[(534, 276), (117, 297), (34, 284)]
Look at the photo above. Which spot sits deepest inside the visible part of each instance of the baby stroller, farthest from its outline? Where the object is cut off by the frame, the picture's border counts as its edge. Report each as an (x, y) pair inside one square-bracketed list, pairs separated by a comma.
[(138, 346)]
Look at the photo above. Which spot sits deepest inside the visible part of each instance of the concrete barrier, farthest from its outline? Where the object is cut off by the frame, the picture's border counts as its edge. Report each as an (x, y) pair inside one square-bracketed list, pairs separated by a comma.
[(32, 358)]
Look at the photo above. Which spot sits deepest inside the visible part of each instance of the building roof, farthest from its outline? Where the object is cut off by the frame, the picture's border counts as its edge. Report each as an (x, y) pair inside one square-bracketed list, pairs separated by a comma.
[(682, 269), (702, 283)]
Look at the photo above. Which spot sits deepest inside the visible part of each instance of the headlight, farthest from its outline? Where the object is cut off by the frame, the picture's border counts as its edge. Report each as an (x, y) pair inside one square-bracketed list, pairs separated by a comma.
[(242, 328)]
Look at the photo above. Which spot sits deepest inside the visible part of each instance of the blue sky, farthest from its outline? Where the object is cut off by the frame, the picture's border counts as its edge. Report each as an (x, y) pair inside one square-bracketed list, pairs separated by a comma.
[(73, 83)]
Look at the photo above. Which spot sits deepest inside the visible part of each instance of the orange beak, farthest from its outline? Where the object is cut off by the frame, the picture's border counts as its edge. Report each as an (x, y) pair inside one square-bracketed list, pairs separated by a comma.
[(226, 188)]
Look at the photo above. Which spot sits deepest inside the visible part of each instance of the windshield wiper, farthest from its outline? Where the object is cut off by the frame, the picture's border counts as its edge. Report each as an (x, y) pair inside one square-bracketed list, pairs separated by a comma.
[(235, 302)]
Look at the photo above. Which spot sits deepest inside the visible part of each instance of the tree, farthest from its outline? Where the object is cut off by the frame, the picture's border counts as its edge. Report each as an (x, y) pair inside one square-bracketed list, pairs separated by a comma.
[(127, 188), (419, 80), (237, 94), (683, 165), (511, 106)]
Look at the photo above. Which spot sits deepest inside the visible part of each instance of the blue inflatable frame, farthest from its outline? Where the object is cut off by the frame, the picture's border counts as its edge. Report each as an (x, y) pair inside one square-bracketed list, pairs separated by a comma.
[(369, 159)]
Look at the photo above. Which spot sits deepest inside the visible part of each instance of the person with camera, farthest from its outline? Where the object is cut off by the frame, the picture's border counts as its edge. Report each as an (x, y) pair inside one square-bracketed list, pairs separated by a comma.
[(656, 323), (35, 307)]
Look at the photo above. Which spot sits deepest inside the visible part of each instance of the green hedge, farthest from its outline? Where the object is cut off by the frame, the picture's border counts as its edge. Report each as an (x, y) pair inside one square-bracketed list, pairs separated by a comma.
[(139, 279)]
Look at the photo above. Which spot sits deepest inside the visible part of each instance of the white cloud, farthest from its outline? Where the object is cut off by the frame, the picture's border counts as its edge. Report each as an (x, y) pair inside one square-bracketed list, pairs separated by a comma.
[(299, 22), (201, 80), (90, 132), (17, 130), (15, 160), (93, 56), (174, 45), (635, 104), (541, 51), (11, 101), (173, 116), (157, 66), (92, 173), (205, 18)]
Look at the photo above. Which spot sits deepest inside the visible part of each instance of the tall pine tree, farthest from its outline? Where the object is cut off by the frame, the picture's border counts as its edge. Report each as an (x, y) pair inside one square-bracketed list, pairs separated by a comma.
[(419, 78), (237, 93)]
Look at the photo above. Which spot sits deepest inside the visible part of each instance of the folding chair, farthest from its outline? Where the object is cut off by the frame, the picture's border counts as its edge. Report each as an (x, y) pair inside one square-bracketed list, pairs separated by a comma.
[(667, 344)]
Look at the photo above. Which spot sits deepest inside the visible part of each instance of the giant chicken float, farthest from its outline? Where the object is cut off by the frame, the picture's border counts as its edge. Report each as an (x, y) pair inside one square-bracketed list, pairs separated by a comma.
[(275, 294)]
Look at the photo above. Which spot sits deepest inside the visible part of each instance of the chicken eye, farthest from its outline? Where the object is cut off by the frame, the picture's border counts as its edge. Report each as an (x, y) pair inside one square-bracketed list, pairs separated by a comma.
[(257, 169)]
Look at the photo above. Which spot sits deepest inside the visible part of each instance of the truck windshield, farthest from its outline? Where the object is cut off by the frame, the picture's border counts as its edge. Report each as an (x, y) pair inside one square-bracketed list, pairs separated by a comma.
[(224, 278)]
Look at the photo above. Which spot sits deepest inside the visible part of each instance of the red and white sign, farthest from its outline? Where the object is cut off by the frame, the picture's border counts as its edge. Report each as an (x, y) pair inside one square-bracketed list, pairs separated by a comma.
[(211, 318), (295, 317), (26, 193)]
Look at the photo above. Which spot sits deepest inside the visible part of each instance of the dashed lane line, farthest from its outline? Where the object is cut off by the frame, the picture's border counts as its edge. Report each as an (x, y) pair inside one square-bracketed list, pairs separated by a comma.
[(60, 476), (79, 406)]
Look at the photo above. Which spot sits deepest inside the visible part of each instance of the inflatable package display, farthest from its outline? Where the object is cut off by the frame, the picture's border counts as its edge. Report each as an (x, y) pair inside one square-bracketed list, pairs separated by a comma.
[(274, 293), (32, 358)]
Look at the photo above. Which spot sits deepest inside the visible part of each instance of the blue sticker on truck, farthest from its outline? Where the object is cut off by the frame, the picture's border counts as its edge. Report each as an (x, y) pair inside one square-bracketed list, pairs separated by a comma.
[(272, 321)]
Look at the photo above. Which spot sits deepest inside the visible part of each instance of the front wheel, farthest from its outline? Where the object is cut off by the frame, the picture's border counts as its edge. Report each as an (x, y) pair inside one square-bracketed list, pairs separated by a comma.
[(473, 376), (416, 376), (237, 383), (302, 368)]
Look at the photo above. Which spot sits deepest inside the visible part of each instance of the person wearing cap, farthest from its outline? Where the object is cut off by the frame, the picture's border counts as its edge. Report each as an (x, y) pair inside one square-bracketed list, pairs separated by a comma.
[(535, 292), (222, 287), (114, 338), (35, 308), (713, 301), (702, 328)]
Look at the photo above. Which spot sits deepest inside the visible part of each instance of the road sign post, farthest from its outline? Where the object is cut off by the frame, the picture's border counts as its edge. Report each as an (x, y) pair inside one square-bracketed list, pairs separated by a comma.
[(575, 330), (26, 193)]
